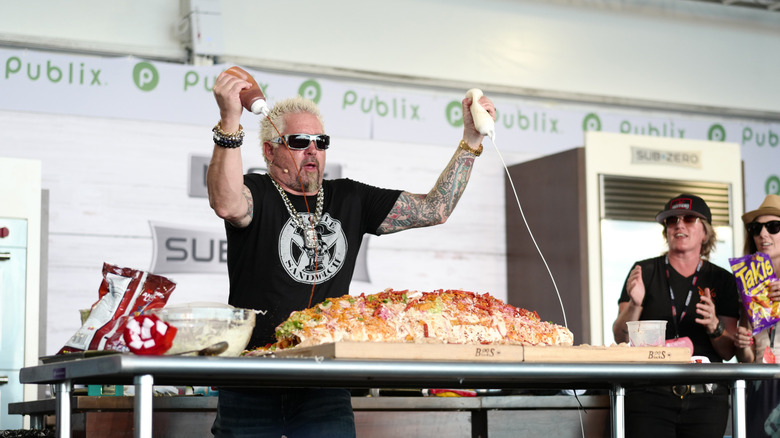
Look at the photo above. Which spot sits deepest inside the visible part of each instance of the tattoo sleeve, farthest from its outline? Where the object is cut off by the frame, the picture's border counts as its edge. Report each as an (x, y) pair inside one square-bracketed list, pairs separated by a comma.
[(415, 211), (250, 210)]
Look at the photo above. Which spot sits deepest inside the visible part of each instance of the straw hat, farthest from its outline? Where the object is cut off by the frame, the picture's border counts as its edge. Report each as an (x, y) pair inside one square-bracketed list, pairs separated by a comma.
[(771, 205)]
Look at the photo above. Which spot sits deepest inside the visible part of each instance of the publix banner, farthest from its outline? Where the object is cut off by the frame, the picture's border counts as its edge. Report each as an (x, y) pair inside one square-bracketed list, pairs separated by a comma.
[(132, 88)]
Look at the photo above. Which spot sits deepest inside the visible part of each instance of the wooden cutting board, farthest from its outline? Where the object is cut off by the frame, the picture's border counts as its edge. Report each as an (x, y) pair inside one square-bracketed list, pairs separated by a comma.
[(491, 353)]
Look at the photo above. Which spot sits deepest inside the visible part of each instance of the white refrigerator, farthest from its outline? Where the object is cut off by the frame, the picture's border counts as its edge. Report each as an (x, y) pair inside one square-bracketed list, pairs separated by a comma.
[(21, 284), (13, 261), (628, 179)]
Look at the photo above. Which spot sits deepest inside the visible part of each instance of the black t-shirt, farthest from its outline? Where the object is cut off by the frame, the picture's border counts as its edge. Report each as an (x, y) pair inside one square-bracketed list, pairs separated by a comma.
[(270, 268), (657, 304)]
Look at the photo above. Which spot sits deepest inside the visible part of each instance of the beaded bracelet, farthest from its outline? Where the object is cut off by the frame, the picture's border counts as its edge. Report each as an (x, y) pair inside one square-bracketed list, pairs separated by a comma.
[(228, 140)]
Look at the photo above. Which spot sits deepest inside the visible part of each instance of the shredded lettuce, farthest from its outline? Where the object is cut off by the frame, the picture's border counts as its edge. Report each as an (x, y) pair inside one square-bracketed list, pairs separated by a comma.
[(438, 306), (295, 322)]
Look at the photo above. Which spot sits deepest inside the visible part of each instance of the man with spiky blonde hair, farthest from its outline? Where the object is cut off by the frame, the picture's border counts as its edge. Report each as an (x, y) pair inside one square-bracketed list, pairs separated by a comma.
[(293, 239)]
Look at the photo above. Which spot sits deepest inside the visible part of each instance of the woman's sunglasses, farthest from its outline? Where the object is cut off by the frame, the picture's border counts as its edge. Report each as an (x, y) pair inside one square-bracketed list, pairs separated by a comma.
[(688, 219), (299, 142), (754, 228)]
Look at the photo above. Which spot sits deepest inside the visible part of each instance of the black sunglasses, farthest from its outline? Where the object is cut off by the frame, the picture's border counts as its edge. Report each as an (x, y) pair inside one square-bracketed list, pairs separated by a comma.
[(754, 228), (299, 142), (688, 219)]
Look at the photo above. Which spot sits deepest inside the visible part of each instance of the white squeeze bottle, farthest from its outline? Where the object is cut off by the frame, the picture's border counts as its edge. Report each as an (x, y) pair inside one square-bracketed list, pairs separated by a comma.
[(482, 120), (252, 98)]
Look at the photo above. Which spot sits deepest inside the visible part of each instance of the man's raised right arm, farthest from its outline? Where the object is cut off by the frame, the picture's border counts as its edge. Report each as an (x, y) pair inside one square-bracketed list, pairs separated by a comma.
[(228, 196)]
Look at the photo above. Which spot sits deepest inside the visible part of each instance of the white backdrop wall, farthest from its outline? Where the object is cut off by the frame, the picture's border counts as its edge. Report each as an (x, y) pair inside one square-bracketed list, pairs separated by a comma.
[(110, 172), (108, 178)]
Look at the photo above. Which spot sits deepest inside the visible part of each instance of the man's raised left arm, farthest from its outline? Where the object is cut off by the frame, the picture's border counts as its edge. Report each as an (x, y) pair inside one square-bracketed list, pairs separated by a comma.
[(423, 210)]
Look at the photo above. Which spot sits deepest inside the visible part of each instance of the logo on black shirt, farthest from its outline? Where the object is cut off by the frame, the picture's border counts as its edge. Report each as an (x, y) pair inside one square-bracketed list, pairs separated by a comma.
[(313, 265)]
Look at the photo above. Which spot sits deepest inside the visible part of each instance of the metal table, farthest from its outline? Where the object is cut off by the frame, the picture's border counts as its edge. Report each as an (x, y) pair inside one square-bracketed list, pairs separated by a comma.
[(146, 371)]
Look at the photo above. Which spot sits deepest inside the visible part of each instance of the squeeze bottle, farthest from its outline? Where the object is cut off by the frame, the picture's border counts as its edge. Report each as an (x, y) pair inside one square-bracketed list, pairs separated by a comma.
[(482, 120), (252, 98)]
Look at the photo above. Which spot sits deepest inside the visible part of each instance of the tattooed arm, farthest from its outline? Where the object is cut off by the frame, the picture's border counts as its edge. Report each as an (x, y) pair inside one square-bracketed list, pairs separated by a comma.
[(228, 196), (414, 211)]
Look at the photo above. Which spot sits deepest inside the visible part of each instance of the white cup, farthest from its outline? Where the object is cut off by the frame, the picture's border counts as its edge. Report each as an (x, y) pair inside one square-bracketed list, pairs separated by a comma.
[(646, 333)]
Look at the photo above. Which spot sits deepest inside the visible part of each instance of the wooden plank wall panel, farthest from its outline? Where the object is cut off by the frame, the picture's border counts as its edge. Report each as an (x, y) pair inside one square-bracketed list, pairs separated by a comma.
[(108, 178), (553, 191)]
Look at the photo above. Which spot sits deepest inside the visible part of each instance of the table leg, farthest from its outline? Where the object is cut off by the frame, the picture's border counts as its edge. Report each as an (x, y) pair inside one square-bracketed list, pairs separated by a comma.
[(618, 412), (144, 387), (62, 410), (37, 422), (738, 426)]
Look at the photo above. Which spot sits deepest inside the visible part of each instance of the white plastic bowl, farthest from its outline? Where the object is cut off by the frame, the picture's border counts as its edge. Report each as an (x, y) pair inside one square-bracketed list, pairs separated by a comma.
[(199, 326)]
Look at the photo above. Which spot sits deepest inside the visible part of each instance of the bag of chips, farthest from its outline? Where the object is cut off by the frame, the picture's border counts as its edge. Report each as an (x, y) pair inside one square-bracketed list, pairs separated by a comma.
[(754, 272), (124, 292), (148, 335)]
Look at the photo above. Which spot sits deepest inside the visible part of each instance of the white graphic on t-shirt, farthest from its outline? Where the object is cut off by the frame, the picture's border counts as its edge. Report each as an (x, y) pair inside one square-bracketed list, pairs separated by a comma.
[(313, 265)]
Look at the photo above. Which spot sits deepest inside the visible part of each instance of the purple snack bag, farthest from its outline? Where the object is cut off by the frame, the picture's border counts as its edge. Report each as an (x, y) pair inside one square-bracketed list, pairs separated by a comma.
[(754, 272)]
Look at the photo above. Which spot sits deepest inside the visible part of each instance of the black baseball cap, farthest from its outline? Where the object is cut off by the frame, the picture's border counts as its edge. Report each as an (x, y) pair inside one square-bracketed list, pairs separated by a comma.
[(685, 204)]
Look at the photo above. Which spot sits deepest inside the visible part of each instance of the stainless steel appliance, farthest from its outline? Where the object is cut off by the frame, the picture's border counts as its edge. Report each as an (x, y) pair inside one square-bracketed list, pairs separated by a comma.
[(13, 265)]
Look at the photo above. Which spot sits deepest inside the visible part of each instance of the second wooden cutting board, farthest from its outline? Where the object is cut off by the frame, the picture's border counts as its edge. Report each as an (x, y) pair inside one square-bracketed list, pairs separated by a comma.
[(491, 353)]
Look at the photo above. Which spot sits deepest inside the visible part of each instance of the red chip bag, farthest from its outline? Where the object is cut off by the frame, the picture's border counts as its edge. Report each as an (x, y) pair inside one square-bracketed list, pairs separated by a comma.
[(148, 335), (754, 272), (769, 355), (116, 342), (124, 292)]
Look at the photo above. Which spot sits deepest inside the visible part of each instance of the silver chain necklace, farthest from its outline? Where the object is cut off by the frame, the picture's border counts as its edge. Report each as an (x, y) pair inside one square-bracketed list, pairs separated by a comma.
[(309, 233)]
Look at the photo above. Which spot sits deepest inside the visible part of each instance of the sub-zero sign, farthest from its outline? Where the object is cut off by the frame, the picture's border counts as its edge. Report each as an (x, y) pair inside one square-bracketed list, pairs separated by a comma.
[(672, 158), (178, 249)]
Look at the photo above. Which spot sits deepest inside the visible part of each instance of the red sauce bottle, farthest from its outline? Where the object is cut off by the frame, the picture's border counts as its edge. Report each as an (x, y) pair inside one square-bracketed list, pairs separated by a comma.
[(252, 98)]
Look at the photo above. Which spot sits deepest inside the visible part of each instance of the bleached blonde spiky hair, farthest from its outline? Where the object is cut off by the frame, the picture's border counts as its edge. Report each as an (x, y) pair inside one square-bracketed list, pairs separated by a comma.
[(292, 105)]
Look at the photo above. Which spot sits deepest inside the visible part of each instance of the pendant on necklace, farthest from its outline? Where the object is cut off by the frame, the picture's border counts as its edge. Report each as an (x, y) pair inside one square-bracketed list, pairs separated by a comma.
[(310, 235)]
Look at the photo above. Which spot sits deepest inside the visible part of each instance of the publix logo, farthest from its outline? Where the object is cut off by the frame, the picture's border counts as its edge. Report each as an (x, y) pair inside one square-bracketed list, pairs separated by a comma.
[(716, 133), (145, 76), (772, 185), (71, 73), (454, 114), (758, 137), (311, 90), (522, 119), (591, 122), (391, 107)]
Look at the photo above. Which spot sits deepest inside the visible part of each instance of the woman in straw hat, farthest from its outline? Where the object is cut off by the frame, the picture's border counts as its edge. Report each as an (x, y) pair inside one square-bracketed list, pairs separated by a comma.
[(762, 228)]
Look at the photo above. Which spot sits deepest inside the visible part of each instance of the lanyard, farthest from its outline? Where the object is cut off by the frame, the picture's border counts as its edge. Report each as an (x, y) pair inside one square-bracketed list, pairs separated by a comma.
[(687, 299)]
